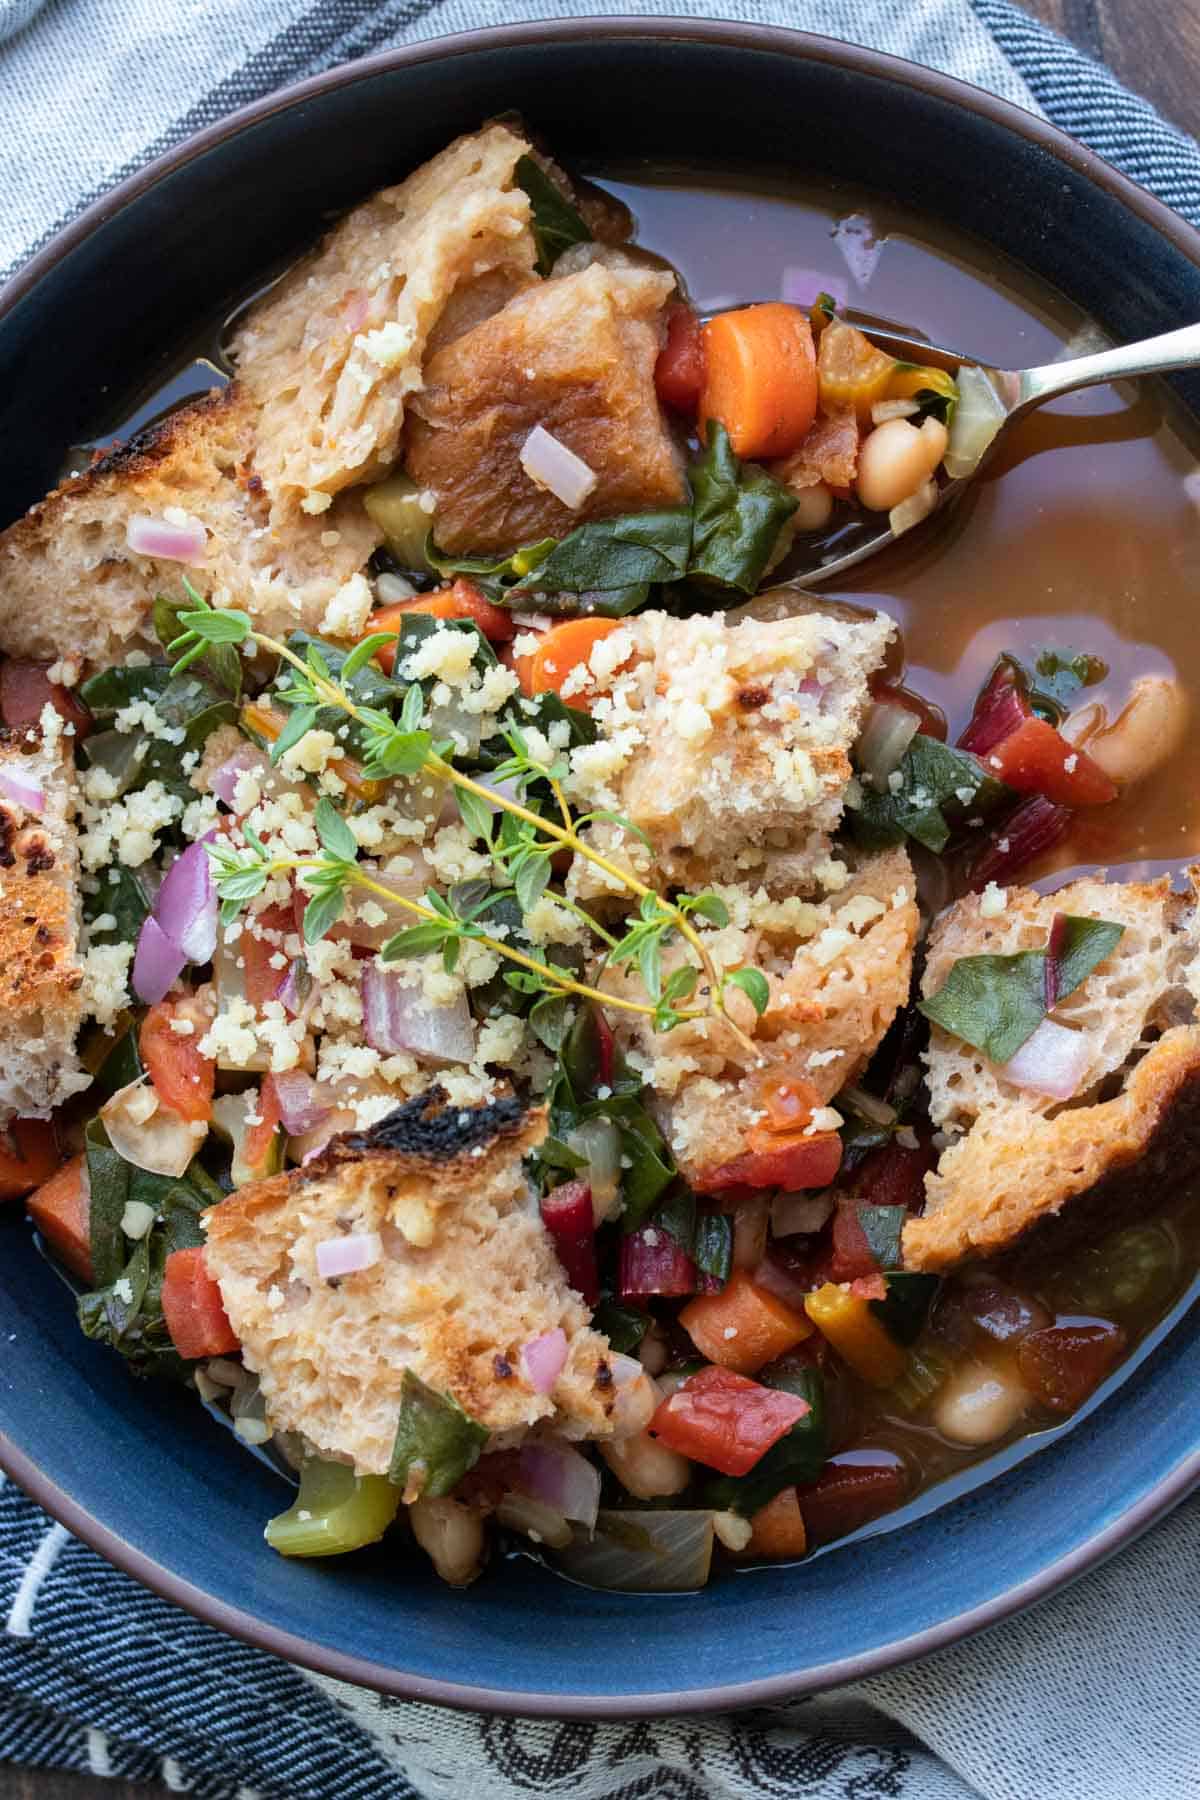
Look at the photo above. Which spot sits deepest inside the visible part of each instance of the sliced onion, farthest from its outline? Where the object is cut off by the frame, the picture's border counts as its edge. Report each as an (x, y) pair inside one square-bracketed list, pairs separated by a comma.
[(390, 588), (347, 1255), (600, 1141), (886, 734), (918, 506), (399, 1017), (793, 1213), (303, 1105), (544, 1357), (297, 992), (869, 1106), (562, 1477), (883, 410), (508, 789), (549, 463), (24, 790), (455, 722), (186, 907), (648, 1552), (223, 781), (977, 418), (147, 536), (534, 1519), (1052, 1062), (311, 1144), (157, 962), (156, 1139)]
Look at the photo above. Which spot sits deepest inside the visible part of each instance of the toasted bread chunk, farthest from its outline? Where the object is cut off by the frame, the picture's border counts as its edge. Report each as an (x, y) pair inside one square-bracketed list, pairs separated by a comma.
[(41, 979), (575, 355), (838, 972), (332, 353), (466, 1277), (69, 578), (1021, 1156), (728, 745)]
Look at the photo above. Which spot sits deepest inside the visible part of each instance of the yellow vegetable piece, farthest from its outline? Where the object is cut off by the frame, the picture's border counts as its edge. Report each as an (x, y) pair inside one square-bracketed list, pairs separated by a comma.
[(856, 1334), (907, 383), (335, 1511), (851, 371), (395, 506)]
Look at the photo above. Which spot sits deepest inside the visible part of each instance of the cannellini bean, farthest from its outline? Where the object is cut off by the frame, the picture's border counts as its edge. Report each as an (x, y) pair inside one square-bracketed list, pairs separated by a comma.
[(646, 1468), (896, 459), (452, 1536), (634, 1405), (814, 507), (979, 1403), (1147, 733)]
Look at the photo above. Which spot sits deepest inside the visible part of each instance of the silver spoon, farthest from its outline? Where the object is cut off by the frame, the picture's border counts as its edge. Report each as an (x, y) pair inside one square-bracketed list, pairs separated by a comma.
[(1017, 392)]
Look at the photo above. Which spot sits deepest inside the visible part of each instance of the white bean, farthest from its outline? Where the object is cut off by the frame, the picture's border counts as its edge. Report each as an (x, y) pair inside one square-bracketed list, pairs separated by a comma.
[(896, 459), (646, 1468), (634, 1405), (452, 1536), (814, 505), (979, 1403), (1149, 730)]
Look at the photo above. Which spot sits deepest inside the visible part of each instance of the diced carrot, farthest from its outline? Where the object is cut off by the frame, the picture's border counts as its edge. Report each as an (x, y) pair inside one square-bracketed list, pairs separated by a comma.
[(193, 1308), (462, 600), (1036, 759), (61, 1210), (778, 1527), (29, 1155), (560, 652), (851, 372), (679, 371), (760, 378), (856, 1334), (743, 1327), (267, 722), (182, 1078)]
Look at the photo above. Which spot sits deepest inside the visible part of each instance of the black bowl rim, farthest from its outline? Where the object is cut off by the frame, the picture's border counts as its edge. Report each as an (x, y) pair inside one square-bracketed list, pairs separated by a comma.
[(1167, 1492)]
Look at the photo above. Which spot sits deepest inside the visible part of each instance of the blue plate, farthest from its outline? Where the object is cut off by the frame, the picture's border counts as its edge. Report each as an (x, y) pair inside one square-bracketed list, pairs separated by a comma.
[(154, 1483)]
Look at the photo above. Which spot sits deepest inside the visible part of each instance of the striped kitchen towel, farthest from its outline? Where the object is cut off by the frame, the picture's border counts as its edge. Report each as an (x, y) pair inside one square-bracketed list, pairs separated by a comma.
[(1089, 1697)]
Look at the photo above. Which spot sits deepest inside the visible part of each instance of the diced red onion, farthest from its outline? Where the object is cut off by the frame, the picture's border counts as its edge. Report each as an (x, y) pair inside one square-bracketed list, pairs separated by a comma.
[(147, 536), (1052, 1062), (1027, 833), (786, 1276), (550, 464), (563, 1478), (544, 1357), (886, 734), (399, 1017), (1000, 710), (347, 1255), (653, 1263), (186, 906), (302, 1103), (223, 781), (23, 789), (157, 962), (569, 1217), (297, 991)]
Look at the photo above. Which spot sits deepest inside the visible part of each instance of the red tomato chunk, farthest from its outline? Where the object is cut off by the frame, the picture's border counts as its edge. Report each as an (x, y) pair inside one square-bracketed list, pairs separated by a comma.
[(679, 371), (26, 688), (193, 1309), (725, 1420), (800, 1162)]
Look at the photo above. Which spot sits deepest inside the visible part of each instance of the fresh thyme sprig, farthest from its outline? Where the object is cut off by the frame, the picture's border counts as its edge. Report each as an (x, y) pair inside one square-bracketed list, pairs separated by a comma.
[(523, 844)]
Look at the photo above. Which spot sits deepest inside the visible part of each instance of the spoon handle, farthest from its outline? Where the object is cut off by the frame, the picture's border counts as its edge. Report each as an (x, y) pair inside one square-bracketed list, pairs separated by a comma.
[(1151, 356)]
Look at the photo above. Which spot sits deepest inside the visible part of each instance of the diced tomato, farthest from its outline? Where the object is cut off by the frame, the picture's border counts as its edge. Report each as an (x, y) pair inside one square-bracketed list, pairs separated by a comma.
[(462, 600), (1036, 759), (852, 1489), (894, 1175), (651, 1262), (193, 1308), (679, 371), (29, 1155), (259, 1141), (744, 1326), (261, 979), (869, 1287), (724, 1421), (1063, 1363), (850, 1256), (778, 1527), (61, 1210), (568, 1217), (796, 1161), (26, 688), (182, 1078)]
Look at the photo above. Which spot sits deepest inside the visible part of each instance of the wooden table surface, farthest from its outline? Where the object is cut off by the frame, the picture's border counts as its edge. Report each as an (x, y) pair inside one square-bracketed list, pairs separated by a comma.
[(1156, 51)]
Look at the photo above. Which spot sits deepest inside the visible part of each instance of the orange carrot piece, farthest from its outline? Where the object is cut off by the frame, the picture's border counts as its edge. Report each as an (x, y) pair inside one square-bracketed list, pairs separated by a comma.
[(743, 1327), (61, 1210), (778, 1527), (560, 652), (760, 378)]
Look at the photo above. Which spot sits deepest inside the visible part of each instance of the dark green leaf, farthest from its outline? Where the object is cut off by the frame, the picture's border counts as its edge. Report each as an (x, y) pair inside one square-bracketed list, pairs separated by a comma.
[(1085, 944), (333, 831), (120, 893), (798, 1457), (475, 813), (906, 1307), (530, 880), (677, 1217), (614, 562), (491, 572), (323, 911), (706, 906), (712, 1249), (121, 1066), (418, 940), (739, 513), (364, 651), (299, 723), (940, 787), (367, 686), (651, 1169), (621, 1325), (553, 1154), (754, 985), (881, 1226), (681, 984), (218, 625), (113, 689), (554, 221), (436, 1441), (550, 1020), (649, 959), (219, 663)]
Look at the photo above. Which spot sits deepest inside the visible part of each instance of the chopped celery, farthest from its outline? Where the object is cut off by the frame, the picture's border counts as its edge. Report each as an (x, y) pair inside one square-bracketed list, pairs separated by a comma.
[(926, 1372), (335, 1511)]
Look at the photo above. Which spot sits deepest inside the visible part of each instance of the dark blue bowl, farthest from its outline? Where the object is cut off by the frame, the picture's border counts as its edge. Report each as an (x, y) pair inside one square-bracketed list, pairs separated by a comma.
[(159, 1487)]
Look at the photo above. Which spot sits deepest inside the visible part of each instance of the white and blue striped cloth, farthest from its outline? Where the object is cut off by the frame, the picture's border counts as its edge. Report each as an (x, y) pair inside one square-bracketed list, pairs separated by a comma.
[(1090, 1697)]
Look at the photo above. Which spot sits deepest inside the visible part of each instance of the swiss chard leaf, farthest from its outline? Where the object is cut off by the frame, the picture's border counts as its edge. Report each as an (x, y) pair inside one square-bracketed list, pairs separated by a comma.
[(555, 223), (996, 1003), (881, 1226), (611, 564), (121, 895), (940, 787), (621, 1325), (1058, 675), (712, 1245), (110, 690), (906, 1306), (798, 1457), (738, 513), (436, 1441)]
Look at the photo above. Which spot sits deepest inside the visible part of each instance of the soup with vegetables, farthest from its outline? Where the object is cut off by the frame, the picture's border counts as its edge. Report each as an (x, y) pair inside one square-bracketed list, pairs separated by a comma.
[(563, 1037)]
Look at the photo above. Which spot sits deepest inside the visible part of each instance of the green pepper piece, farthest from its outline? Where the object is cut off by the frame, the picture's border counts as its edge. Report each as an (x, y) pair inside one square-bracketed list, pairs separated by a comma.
[(335, 1511), (436, 1441)]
